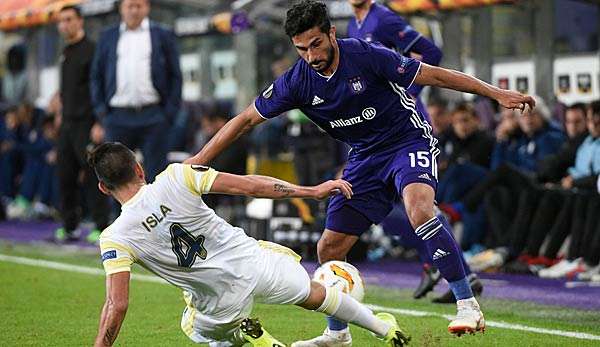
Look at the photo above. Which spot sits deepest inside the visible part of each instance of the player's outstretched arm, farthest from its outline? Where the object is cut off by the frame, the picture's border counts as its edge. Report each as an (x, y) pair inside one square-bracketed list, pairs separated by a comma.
[(273, 188), (451, 79), (230, 132), (115, 307)]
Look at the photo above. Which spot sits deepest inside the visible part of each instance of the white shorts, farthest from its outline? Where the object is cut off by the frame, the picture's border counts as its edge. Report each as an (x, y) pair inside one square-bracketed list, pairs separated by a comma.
[(281, 280)]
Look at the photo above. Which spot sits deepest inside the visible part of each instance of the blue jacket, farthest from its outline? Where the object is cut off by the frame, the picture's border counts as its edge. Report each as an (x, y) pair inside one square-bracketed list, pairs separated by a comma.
[(527, 152), (587, 162), (165, 71)]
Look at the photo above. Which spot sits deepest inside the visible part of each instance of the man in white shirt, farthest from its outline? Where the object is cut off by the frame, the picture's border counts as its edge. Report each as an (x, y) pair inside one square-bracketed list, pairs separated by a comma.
[(136, 84)]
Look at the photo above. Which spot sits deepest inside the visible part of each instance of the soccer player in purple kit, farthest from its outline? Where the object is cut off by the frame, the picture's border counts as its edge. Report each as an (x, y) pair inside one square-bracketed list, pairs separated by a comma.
[(376, 23), (356, 92)]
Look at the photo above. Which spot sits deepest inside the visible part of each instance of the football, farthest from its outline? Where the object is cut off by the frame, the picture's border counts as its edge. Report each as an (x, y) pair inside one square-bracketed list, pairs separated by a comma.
[(343, 276)]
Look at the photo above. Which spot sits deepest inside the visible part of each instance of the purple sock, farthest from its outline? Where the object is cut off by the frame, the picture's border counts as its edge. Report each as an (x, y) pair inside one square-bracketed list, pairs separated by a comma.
[(448, 227), (445, 253)]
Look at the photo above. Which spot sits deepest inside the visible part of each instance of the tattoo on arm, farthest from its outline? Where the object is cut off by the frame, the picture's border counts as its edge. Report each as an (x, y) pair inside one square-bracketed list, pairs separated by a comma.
[(109, 337), (283, 189)]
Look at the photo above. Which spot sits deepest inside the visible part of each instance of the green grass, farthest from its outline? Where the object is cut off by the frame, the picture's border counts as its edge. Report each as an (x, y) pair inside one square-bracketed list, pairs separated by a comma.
[(44, 307)]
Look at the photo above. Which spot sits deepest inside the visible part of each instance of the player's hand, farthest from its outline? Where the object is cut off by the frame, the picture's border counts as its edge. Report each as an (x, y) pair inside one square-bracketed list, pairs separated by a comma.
[(333, 187), (515, 101)]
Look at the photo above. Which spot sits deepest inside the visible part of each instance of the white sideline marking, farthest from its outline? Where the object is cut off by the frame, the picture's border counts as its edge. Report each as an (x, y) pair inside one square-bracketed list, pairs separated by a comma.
[(415, 313)]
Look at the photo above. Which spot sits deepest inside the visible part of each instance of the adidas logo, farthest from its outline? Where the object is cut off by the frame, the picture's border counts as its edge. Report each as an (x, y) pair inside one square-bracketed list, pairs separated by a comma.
[(425, 176), (439, 254), (317, 100)]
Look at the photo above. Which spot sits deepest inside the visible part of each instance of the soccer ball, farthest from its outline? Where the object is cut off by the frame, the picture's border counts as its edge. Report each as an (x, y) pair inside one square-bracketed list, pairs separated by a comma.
[(341, 275)]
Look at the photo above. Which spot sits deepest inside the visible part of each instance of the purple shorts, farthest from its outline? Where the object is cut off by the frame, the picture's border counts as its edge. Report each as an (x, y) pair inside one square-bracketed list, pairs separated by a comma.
[(378, 181)]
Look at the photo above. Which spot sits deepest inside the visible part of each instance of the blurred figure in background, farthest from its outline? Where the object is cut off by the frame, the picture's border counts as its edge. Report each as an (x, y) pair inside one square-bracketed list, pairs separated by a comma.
[(377, 23), (9, 153), (14, 82), (74, 173), (136, 84)]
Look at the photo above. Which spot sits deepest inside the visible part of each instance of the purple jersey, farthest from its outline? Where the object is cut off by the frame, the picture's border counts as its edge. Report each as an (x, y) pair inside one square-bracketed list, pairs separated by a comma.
[(386, 27), (363, 104)]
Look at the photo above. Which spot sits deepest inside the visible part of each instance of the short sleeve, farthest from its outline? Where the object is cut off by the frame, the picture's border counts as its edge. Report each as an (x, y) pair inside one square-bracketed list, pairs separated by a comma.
[(396, 32), (277, 98), (116, 257), (198, 179), (392, 66)]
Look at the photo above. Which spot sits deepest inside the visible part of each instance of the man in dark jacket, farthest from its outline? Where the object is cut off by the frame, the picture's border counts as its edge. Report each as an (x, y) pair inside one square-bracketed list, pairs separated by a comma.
[(136, 84)]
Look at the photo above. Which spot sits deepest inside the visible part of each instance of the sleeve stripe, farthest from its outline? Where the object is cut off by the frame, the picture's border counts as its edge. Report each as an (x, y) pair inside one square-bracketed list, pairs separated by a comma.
[(415, 76), (207, 180), (257, 111), (412, 43), (117, 270)]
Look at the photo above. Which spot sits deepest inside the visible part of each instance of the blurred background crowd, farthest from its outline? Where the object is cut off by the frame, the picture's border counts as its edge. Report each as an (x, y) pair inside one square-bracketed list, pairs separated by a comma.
[(522, 190)]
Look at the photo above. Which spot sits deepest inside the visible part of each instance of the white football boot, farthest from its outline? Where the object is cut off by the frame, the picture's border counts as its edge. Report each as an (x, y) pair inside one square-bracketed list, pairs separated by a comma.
[(328, 339), (469, 318), (560, 269)]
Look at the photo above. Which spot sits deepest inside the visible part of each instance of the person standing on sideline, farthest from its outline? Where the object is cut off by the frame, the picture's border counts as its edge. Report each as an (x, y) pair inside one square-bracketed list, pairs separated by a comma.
[(74, 134), (136, 84)]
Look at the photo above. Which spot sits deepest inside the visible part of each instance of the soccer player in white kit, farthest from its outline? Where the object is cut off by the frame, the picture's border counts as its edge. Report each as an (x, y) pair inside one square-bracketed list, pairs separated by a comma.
[(166, 228)]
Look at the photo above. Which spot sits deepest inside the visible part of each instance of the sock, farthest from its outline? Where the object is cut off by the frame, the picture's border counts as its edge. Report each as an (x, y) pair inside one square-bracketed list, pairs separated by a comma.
[(445, 253), (336, 325), (448, 227), (346, 309), (461, 289)]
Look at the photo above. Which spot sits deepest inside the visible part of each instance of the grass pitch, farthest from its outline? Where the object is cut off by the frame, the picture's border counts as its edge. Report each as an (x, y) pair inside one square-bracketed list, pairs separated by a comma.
[(46, 307)]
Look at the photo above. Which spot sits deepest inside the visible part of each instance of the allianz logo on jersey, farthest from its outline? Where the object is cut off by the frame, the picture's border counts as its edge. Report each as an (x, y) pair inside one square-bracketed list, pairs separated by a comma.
[(367, 114)]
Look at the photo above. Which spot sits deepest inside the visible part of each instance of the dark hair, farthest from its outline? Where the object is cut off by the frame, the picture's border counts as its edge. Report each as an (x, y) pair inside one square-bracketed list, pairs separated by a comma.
[(595, 108), (113, 163), (438, 102), (306, 15), (465, 107), (579, 106), (77, 10)]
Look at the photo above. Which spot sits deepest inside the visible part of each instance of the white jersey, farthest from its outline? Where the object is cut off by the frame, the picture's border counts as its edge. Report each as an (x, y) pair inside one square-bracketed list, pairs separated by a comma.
[(169, 230)]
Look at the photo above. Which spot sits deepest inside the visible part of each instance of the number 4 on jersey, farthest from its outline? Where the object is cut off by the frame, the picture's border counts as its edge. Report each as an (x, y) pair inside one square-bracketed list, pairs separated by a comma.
[(194, 246)]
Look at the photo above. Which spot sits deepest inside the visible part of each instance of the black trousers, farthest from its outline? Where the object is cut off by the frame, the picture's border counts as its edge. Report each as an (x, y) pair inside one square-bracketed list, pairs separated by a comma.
[(551, 217), (510, 213), (578, 218), (75, 175)]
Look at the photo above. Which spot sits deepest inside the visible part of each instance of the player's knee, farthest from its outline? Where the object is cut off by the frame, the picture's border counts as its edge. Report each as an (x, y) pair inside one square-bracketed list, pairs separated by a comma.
[(418, 200), (328, 249), (316, 297)]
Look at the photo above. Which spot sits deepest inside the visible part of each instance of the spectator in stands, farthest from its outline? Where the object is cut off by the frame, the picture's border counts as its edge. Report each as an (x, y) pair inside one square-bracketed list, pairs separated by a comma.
[(9, 153), (74, 173), (466, 162), (509, 190), (441, 122), (136, 84), (550, 212), (581, 182), (37, 192)]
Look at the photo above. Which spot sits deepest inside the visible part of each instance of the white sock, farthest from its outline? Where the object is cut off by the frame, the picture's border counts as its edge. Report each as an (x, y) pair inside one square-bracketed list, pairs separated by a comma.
[(345, 308)]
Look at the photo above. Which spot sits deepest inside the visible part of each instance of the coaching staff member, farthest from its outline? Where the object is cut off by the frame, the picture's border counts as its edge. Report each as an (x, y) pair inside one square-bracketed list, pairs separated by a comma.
[(136, 84), (74, 134)]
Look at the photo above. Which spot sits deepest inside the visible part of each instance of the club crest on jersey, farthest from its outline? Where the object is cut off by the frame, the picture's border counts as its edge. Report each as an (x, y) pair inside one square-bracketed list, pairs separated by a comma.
[(268, 92), (356, 85)]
